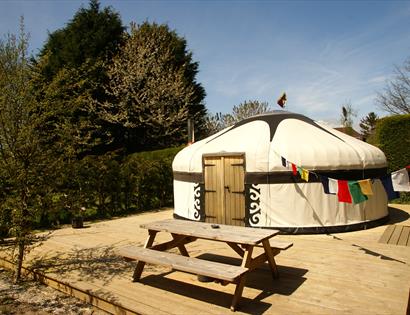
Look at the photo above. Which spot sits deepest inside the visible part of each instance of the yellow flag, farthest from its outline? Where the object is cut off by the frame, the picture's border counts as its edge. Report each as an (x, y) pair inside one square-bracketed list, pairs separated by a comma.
[(366, 187), (305, 174)]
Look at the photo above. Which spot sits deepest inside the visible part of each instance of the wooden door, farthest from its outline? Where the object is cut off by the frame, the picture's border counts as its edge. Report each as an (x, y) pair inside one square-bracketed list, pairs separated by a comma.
[(224, 189)]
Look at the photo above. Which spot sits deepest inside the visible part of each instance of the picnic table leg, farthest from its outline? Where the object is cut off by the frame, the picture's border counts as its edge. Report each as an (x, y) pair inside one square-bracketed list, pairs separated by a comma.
[(246, 262), (181, 247), (238, 292), (141, 264), (271, 258)]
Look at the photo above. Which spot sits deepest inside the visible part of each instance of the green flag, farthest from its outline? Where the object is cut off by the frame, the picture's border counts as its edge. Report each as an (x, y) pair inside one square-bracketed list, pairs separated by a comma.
[(356, 192)]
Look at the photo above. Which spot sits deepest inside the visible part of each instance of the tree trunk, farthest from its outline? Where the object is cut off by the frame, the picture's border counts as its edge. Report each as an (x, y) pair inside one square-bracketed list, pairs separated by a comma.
[(20, 257)]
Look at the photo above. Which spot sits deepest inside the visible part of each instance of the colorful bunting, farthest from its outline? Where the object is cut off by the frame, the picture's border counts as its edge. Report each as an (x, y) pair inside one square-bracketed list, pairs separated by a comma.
[(294, 170), (305, 175), (333, 188), (325, 183), (299, 170), (356, 192), (388, 187), (400, 180), (366, 187), (284, 162), (343, 193)]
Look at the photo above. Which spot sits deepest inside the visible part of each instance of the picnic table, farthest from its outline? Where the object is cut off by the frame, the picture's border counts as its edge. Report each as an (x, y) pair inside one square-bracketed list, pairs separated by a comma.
[(242, 240)]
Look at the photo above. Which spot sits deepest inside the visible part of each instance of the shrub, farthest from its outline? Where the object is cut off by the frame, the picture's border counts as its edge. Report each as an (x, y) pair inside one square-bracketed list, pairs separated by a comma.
[(148, 179), (393, 138)]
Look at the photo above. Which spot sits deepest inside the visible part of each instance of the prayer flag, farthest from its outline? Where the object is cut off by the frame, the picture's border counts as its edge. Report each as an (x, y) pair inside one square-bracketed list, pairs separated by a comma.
[(282, 100), (388, 187), (325, 183), (333, 186), (356, 192), (294, 170), (400, 180), (305, 175), (366, 187), (343, 193), (299, 171), (284, 163)]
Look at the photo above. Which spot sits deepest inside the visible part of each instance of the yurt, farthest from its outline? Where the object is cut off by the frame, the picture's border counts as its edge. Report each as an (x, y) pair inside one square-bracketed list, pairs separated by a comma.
[(276, 170)]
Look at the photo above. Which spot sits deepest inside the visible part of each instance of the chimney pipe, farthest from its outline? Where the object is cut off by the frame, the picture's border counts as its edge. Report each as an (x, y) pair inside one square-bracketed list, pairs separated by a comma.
[(191, 132)]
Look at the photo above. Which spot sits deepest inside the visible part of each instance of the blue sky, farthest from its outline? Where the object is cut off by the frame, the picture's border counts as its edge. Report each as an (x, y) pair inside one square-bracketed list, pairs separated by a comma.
[(322, 53)]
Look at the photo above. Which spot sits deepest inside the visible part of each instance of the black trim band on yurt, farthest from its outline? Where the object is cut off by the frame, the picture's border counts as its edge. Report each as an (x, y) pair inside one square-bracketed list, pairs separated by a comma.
[(287, 177)]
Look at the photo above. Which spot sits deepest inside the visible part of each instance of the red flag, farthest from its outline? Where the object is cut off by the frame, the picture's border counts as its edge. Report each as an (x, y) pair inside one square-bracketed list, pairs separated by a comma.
[(294, 169), (282, 100), (343, 193)]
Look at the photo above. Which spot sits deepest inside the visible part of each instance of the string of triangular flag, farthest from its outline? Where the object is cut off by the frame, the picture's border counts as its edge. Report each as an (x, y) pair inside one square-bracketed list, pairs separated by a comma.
[(354, 191)]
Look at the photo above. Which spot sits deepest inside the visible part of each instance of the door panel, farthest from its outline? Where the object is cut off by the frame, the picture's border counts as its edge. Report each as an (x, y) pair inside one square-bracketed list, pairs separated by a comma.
[(224, 189), (234, 190), (213, 190)]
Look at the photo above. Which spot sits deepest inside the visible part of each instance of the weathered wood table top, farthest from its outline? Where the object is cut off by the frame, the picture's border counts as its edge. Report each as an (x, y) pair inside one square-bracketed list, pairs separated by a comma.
[(219, 232)]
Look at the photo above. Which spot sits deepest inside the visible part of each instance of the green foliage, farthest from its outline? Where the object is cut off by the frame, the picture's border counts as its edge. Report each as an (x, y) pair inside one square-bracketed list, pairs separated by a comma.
[(91, 35), (149, 178), (26, 166), (153, 90), (393, 138), (368, 126), (70, 75), (68, 116), (112, 185)]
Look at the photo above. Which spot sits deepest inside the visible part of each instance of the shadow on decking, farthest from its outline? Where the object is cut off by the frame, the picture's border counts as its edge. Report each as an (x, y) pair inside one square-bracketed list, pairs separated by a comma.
[(397, 215), (86, 264), (260, 279)]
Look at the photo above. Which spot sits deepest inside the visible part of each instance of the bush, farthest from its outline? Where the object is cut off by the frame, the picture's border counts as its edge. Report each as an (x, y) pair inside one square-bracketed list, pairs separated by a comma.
[(108, 185), (148, 179), (393, 138)]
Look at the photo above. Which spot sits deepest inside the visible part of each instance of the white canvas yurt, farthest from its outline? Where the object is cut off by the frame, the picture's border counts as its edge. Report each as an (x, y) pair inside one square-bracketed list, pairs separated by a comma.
[(238, 177)]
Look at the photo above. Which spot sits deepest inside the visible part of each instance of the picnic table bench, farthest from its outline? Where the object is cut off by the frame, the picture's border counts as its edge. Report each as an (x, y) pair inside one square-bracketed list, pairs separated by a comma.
[(241, 239)]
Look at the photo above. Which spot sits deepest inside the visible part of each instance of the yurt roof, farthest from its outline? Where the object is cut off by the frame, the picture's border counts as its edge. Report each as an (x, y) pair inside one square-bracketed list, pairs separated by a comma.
[(265, 138)]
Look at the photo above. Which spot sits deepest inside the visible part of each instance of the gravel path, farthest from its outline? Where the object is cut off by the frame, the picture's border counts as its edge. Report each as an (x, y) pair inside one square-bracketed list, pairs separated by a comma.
[(31, 297)]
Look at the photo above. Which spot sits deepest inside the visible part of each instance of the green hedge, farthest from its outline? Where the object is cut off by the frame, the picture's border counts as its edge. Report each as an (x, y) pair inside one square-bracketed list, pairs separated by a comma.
[(111, 185), (148, 179), (393, 138)]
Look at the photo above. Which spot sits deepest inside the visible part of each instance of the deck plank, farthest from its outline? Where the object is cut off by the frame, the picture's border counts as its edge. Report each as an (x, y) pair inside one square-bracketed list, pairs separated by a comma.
[(387, 234), (394, 239), (404, 236)]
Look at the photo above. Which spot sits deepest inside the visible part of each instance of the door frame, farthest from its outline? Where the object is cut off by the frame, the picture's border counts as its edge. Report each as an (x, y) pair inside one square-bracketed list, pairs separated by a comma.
[(226, 154)]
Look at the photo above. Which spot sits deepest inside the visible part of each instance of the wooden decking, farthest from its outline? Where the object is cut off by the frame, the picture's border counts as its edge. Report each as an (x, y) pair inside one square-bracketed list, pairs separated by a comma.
[(396, 234), (347, 273)]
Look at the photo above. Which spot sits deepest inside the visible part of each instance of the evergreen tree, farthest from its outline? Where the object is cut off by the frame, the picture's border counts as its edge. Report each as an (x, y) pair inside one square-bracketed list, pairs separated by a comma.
[(71, 73), (368, 125), (92, 34)]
